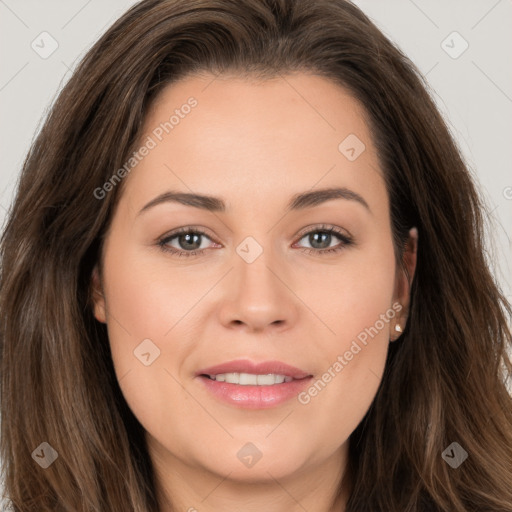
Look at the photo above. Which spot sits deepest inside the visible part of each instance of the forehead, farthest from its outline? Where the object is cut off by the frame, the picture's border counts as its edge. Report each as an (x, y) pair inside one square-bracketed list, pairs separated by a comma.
[(252, 140)]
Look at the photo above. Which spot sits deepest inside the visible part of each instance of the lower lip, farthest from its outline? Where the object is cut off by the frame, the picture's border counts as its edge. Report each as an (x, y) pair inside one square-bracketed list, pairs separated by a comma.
[(255, 397)]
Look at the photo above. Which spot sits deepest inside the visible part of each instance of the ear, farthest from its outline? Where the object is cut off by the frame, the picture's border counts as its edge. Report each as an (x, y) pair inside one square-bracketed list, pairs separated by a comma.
[(403, 283), (98, 297)]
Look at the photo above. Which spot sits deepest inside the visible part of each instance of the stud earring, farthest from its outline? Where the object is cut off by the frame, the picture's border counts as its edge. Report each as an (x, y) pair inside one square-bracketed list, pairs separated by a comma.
[(398, 328)]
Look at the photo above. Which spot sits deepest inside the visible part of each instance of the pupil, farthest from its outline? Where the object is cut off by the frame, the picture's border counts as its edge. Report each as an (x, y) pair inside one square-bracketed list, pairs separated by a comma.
[(322, 234), (187, 237)]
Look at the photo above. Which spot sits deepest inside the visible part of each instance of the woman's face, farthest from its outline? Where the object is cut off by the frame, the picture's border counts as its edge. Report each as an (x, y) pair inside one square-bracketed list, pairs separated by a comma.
[(265, 289)]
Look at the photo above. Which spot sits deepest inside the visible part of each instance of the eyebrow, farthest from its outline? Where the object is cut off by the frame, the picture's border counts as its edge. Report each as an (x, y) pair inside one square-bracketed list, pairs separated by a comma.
[(299, 201)]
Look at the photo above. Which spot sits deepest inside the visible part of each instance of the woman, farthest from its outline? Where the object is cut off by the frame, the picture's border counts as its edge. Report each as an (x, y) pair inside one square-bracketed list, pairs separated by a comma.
[(168, 342)]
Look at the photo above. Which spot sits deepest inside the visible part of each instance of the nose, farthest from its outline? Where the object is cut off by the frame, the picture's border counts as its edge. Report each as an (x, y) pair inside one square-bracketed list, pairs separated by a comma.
[(259, 296)]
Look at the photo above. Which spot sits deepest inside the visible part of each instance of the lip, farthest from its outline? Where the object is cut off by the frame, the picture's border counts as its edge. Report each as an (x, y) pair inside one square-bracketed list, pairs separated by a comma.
[(254, 397), (246, 366)]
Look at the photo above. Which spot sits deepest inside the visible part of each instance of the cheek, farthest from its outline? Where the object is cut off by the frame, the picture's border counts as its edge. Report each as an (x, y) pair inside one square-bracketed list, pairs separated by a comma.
[(354, 360), (149, 299), (351, 294), (148, 312), (357, 307)]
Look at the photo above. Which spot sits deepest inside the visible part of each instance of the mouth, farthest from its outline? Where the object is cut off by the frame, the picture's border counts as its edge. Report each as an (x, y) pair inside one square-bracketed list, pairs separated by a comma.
[(251, 385), (249, 379)]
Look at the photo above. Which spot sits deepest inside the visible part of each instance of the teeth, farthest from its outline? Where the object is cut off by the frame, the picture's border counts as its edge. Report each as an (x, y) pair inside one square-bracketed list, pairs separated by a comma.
[(249, 379)]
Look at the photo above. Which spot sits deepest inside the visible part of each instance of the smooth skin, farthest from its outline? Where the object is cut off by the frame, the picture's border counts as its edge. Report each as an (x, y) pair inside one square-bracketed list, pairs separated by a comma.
[(255, 145)]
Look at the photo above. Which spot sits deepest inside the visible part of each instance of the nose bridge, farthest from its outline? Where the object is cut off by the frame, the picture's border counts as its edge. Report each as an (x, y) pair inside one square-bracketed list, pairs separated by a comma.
[(253, 266), (259, 296)]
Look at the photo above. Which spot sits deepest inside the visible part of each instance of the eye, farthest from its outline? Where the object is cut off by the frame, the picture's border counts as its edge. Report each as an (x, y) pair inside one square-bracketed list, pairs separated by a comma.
[(189, 240), (321, 237)]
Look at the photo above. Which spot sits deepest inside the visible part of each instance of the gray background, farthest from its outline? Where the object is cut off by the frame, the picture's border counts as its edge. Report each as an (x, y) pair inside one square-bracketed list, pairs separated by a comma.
[(473, 91)]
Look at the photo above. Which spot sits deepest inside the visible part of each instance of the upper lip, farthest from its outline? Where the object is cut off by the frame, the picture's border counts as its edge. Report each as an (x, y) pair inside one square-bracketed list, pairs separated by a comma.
[(263, 368)]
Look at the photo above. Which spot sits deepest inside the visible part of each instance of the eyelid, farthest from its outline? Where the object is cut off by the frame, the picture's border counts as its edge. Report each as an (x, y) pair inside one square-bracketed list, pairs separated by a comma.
[(345, 238), (323, 227), (188, 229)]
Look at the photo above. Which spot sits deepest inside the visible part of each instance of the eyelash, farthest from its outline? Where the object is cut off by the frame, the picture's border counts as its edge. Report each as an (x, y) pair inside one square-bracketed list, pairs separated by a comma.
[(346, 241)]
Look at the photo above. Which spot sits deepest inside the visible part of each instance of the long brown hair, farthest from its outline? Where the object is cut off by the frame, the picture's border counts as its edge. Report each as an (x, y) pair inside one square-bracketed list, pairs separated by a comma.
[(445, 378)]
